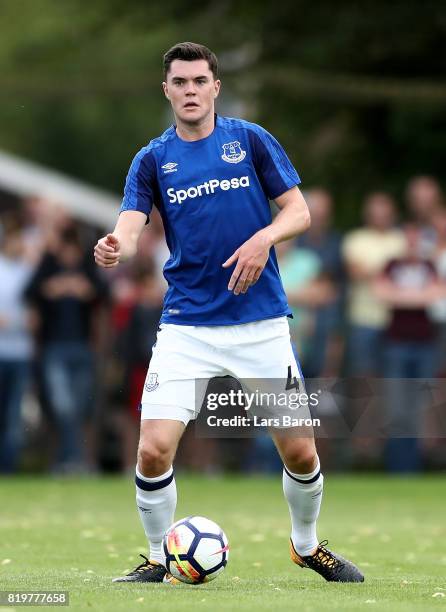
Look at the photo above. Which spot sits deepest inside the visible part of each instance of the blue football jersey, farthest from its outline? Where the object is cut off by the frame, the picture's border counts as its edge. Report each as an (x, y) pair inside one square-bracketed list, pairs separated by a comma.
[(213, 195)]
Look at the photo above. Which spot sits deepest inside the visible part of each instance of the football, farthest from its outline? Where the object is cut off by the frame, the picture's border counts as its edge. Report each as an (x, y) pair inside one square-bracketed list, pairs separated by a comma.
[(196, 550)]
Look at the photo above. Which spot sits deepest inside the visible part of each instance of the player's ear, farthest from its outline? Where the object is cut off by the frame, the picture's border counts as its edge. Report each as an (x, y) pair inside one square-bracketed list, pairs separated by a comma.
[(164, 85), (217, 85)]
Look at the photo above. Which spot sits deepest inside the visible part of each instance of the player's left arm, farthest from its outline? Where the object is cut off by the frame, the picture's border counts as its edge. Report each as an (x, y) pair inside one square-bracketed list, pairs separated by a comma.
[(251, 257)]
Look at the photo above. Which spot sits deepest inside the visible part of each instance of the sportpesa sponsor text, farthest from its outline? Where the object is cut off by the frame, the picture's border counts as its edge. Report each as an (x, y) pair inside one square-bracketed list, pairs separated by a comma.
[(206, 188)]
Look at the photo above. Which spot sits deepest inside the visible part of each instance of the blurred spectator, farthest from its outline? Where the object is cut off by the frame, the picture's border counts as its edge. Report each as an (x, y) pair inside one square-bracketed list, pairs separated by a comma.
[(65, 290), (44, 220), (366, 251), (306, 288), (321, 237), (15, 341), (424, 200), (438, 309), (325, 349), (408, 285), (138, 340)]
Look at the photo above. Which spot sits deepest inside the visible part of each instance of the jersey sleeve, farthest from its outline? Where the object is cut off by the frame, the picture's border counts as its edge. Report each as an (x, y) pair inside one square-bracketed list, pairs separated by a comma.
[(140, 185), (273, 167)]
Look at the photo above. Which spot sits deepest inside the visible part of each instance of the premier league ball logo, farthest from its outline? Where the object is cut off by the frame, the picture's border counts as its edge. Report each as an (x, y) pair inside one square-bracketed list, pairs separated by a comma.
[(233, 153)]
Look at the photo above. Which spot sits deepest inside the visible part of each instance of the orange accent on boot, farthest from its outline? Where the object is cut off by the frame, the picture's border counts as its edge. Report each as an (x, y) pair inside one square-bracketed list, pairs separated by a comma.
[(169, 579), (295, 557)]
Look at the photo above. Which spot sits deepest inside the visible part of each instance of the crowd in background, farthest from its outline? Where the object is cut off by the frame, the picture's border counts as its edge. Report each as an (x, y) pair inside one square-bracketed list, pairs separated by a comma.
[(75, 340)]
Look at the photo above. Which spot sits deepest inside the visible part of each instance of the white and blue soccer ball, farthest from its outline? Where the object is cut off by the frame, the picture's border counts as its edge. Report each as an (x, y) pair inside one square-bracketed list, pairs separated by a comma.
[(196, 550)]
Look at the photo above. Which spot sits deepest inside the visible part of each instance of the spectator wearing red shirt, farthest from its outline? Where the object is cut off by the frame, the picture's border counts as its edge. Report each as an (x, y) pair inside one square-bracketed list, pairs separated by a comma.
[(408, 285)]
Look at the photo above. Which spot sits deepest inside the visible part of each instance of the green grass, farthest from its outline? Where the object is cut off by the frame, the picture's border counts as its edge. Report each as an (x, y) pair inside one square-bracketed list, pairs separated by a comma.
[(77, 534)]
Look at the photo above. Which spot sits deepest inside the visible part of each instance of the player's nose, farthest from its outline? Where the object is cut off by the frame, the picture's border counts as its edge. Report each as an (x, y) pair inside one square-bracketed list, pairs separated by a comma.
[(190, 89)]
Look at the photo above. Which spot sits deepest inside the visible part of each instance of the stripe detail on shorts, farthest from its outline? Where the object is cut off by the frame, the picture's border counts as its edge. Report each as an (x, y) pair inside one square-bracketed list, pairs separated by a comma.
[(296, 357)]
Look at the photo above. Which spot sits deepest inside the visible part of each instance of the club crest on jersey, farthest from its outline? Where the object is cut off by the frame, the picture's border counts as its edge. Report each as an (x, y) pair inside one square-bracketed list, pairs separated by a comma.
[(233, 152), (170, 167), (151, 382)]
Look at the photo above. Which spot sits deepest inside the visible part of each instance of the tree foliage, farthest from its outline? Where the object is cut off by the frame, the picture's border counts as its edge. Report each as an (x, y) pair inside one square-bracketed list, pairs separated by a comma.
[(354, 90)]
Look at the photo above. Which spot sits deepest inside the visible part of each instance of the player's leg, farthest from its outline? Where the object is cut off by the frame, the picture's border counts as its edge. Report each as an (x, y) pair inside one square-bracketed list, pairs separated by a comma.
[(265, 358), (265, 353), (302, 486), (156, 493), (167, 405)]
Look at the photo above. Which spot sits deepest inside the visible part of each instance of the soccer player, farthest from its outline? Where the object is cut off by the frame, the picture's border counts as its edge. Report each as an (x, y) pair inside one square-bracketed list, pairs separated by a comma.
[(225, 311)]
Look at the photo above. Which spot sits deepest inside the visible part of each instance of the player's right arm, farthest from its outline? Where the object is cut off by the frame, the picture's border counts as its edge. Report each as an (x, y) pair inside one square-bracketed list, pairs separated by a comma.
[(122, 243), (136, 205)]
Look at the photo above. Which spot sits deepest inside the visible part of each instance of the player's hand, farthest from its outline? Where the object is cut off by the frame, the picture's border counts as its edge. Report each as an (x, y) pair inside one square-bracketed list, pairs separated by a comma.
[(251, 258), (107, 251)]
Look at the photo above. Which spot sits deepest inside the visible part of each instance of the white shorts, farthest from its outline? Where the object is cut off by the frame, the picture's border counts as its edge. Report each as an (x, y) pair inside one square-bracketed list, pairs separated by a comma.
[(184, 354)]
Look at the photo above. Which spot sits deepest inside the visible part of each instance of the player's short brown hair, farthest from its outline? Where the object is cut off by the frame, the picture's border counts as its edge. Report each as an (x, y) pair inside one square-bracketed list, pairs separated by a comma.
[(188, 52)]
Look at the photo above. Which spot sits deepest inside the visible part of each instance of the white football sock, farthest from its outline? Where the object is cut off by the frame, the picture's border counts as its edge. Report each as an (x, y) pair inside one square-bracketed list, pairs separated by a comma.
[(303, 493), (156, 499)]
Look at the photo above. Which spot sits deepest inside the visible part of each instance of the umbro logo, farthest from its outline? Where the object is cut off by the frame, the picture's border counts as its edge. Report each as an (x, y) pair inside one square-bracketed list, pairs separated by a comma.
[(170, 167)]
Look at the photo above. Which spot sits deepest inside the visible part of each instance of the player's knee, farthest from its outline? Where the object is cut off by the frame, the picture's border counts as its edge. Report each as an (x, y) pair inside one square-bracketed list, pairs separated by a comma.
[(301, 459), (154, 458)]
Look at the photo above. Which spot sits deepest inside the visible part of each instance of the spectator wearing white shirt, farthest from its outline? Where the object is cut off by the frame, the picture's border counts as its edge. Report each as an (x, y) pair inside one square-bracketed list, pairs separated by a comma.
[(16, 345)]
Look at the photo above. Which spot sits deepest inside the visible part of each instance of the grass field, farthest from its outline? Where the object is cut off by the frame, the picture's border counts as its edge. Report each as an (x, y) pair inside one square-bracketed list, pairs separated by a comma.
[(75, 535)]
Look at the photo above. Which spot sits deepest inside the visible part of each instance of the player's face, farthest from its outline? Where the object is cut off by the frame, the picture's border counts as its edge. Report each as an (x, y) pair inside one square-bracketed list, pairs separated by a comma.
[(191, 89)]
